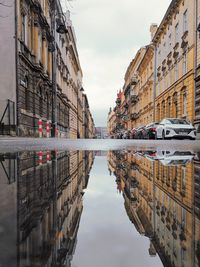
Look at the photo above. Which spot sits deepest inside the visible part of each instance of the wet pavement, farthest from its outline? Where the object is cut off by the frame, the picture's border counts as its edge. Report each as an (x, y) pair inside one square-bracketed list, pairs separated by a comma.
[(108, 207), (35, 144)]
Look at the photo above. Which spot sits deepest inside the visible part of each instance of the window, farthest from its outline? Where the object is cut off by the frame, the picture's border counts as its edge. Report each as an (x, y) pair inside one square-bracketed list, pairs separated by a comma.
[(40, 46), (163, 109), (158, 112), (184, 103), (24, 29), (183, 178), (185, 21), (170, 40), (176, 32), (168, 106), (26, 94), (48, 108), (164, 48), (40, 102), (185, 63), (176, 71), (175, 105), (178, 121)]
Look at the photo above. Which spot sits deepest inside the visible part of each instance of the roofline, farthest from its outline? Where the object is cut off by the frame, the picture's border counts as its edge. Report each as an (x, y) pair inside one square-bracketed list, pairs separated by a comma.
[(134, 60), (148, 47), (172, 4)]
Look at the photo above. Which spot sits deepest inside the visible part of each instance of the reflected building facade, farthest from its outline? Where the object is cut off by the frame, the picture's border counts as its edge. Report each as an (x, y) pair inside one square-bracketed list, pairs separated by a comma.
[(41, 206), (162, 199)]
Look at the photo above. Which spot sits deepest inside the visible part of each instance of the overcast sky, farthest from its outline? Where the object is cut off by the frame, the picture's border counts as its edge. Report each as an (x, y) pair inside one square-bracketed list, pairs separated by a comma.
[(109, 33)]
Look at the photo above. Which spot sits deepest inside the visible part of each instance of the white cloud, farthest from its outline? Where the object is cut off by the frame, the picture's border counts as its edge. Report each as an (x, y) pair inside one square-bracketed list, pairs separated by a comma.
[(109, 33)]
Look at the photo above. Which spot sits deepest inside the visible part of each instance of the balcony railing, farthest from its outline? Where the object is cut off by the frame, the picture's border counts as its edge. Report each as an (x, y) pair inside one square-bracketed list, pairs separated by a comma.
[(126, 118), (134, 80), (134, 99), (134, 116)]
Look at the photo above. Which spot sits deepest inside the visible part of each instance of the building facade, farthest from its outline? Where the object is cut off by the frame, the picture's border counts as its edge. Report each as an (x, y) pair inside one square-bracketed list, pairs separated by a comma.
[(197, 67), (174, 44), (162, 81), (88, 122), (44, 96)]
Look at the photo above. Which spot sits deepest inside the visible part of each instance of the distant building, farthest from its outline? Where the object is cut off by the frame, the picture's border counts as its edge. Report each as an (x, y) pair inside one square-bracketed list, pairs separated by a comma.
[(101, 132)]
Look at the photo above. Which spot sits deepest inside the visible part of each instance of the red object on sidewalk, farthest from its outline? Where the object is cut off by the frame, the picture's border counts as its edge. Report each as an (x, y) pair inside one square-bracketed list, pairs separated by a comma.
[(40, 127), (40, 155)]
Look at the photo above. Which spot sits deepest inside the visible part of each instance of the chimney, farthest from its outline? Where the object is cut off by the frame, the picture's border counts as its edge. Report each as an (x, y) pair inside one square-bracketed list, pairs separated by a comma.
[(153, 29)]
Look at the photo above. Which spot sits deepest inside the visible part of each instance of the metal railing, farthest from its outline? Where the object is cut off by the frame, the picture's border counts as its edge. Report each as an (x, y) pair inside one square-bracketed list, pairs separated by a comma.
[(7, 121)]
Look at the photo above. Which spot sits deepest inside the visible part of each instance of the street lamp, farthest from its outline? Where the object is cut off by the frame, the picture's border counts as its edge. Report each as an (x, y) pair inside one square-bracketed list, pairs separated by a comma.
[(57, 25), (60, 26)]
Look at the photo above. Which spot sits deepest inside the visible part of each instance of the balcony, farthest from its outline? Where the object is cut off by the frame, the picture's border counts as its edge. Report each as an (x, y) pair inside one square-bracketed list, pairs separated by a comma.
[(118, 101), (134, 116), (134, 99), (126, 118), (134, 80), (127, 89), (158, 71)]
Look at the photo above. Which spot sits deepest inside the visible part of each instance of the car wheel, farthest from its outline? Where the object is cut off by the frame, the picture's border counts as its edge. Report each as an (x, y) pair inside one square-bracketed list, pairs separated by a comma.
[(163, 135)]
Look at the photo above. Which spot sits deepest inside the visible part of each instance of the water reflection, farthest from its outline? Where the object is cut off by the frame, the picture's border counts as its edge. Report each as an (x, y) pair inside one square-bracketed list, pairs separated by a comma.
[(161, 191), (40, 206)]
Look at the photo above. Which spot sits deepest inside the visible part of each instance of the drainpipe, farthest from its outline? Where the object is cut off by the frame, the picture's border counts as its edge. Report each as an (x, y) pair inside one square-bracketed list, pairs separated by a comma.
[(16, 70), (54, 84), (154, 82), (195, 63)]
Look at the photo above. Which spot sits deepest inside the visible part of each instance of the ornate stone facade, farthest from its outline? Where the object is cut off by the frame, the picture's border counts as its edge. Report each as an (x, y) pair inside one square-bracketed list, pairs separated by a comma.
[(33, 106)]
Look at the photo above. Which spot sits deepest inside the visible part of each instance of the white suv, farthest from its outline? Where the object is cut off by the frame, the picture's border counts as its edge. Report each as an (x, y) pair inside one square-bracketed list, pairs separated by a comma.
[(177, 128)]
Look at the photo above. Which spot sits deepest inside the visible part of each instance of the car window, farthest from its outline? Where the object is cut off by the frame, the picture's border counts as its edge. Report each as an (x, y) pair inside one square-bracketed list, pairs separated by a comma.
[(178, 121)]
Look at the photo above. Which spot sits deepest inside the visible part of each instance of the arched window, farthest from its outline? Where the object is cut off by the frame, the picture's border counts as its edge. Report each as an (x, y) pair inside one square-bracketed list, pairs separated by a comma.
[(40, 101), (175, 105), (47, 99), (26, 92), (184, 102), (169, 107), (158, 112), (163, 109)]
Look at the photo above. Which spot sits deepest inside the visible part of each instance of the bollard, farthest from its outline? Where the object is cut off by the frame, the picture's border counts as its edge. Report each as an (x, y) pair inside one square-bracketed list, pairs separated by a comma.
[(48, 128), (48, 157), (40, 155), (57, 132), (40, 127)]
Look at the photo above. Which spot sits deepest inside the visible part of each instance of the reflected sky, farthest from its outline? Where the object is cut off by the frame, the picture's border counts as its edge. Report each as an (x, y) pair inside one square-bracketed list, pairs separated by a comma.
[(106, 236)]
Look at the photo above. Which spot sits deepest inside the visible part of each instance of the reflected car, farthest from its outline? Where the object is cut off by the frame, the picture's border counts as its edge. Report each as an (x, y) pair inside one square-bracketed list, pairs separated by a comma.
[(178, 158), (175, 128), (171, 158)]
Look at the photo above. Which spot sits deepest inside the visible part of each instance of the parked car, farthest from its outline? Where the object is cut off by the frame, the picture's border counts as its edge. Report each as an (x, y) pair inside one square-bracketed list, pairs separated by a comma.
[(150, 130), (133, 133), (175, 128), (140, 133), (126, 134), (120, 135)]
